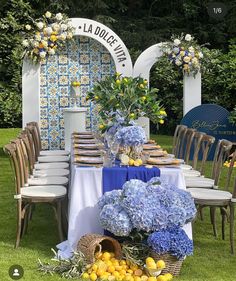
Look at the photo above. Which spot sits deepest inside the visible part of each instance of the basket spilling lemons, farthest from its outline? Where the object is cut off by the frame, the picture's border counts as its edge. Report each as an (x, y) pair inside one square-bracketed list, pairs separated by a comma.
[(107, 267)]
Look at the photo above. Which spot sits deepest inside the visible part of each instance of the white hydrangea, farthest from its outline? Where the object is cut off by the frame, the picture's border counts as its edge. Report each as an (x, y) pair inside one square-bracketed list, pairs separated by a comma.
[(188, 37), (178, 62), (200, 55), (45, 43), (51, 51), (63, 36), (59, 16), (48, 15), (63, 27), (40, 25), (55, 27), (191, 49), (177, 42), (48, 30), (25, 43), (42, 54), (28, 27)]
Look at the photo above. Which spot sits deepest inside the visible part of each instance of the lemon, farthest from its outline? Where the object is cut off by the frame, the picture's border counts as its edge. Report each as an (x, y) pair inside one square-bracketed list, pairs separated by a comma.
[(122, 262), (137, 278), (101, 126), (108, 262), (160, 264), (111, 268), (117, 82), (140, 161), (96, 97), (116, 274), (100, 272), (131, 162), (131, 115), (111, 278), (161, 121), (144, 278), (151, 278), (168, 276), (130, 271), (106, 256), (85, 275), (143, 98), (161, 278), (118, 267), (149, 260), (93, 276), (94, 267), (122, 271)]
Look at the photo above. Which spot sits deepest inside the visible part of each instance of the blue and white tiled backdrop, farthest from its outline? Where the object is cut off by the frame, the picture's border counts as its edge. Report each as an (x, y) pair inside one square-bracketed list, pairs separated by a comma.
[(84, 60)]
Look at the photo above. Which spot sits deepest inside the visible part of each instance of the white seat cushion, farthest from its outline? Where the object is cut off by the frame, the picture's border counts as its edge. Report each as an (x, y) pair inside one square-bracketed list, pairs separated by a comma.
[(51, 191), (185, 167), (191, 173), (48, 159), (54, 165), (199, 182), (48, 181), (209, 194), (54, 153), (51, 173)]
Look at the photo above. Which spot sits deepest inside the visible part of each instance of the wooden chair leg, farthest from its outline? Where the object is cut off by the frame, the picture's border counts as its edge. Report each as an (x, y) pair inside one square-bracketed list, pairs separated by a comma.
[(26, 219), (213, 220), (232, 228), (19, 224), (58, 215), (65, 216)]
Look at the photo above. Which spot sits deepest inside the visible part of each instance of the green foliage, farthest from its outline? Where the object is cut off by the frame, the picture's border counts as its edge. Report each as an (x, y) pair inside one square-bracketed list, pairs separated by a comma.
[(128, 97)]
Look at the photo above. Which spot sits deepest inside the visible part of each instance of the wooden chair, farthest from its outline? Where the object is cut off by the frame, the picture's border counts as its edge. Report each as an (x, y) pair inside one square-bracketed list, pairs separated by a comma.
[(202, 146), (31, 151), (221, 153), (28, 196), (38, 144), (217, 198), (178, 135), (29, 171), (52, 155)]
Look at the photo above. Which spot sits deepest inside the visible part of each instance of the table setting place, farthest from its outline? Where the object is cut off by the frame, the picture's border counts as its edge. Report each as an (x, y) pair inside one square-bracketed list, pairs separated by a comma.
[(90, 150)]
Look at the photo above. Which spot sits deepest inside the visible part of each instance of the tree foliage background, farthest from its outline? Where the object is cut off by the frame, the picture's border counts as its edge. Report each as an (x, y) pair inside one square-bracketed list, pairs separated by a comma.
[(140, 24)]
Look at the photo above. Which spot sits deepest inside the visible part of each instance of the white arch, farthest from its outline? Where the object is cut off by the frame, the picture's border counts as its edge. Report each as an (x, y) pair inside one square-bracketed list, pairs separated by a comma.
[(191, 85), (83, 27)]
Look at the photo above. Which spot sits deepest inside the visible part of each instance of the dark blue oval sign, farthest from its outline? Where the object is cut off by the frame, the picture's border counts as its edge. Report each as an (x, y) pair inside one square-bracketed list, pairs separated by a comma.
[(213, 120)]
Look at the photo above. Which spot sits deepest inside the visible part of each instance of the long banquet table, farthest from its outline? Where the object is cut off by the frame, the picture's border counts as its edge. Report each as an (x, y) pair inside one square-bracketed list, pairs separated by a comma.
[(84, 192)]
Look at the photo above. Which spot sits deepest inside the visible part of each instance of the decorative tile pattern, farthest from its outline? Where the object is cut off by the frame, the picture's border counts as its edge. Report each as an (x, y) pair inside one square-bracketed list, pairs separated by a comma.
[(84, 60)]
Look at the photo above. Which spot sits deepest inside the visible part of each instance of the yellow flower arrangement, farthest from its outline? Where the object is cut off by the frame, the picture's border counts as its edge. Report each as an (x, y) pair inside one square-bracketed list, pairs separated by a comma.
[(44, 36)]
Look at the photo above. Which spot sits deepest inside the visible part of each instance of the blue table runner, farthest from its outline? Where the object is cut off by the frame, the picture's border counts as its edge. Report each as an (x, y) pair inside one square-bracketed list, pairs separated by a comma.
[(115, 177)]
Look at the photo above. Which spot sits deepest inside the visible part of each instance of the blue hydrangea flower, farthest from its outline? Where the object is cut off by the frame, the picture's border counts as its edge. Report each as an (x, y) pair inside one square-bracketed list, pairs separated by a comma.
[(110, 197), (114, 218), (131, 136), (171, 240)]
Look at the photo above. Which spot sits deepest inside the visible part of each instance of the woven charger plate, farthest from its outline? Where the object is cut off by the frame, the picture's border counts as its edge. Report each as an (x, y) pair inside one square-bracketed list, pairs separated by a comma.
[(163, 161), (88, 160), (83, 152), (83, 141)]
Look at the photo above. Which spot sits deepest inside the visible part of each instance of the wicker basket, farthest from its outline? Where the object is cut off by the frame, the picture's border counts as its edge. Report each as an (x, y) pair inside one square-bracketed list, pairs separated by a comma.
[(173, 265), (89, 244)]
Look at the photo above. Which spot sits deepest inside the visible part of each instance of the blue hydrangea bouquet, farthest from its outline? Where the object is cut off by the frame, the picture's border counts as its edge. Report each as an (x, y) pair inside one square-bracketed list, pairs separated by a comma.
[(155, 208)]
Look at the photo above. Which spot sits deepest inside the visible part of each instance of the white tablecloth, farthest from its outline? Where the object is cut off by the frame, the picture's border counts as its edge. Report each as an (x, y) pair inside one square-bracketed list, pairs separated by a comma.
[(85, 189)]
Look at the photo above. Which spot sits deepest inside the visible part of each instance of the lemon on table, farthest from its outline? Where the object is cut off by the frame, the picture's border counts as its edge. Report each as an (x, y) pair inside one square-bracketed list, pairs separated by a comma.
[(168, 276), (85, 275), (160, 264), (131, 162), (161, 278), (93, 276)]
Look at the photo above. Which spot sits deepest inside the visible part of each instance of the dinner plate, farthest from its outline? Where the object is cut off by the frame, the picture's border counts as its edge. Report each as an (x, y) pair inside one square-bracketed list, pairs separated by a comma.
[(83, 137), (88, 160), (87, 146), (84, 152), (157, 153), (151, 147), (82, 133), (76, 141), (163, 161)]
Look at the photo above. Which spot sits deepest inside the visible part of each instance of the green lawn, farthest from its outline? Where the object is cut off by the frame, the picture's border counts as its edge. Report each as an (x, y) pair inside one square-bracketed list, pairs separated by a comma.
[(211, 260)]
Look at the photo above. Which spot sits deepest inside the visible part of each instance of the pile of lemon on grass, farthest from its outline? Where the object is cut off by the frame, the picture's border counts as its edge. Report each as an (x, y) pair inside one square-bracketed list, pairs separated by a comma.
[(107, 267)]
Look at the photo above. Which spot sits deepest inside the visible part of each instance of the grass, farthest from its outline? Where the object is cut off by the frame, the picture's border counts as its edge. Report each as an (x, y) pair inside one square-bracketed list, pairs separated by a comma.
[(211, 260)]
